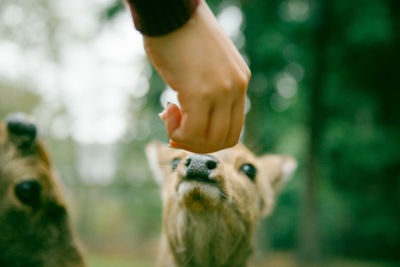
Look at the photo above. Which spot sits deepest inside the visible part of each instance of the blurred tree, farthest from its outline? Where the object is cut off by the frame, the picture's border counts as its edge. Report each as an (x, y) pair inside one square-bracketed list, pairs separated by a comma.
[(347, 101)]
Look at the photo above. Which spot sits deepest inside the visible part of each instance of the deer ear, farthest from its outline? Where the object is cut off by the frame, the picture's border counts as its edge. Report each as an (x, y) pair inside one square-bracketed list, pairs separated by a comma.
[(279, 170), (21, 130), (275, 171), (154, 153)]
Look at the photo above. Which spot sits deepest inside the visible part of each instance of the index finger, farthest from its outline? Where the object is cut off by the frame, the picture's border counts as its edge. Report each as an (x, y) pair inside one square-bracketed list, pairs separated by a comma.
[(193, 126)]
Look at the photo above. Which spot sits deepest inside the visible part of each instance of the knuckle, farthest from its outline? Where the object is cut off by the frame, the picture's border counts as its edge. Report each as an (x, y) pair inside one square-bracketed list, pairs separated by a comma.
[(242, 81), (248, 73), (225, 87), (207, 93)]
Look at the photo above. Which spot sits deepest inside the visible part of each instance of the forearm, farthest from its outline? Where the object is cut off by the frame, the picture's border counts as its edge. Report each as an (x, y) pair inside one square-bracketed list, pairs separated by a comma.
[(158, 17), (202, 64)]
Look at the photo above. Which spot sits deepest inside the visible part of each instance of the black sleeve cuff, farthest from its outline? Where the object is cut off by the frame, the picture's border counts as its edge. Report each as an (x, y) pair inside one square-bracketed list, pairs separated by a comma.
[(158, 17)]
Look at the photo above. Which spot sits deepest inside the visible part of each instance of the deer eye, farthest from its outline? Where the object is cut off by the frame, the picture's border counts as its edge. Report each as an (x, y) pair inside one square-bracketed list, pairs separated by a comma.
[(28, 192), (249, 170), (175, 163)]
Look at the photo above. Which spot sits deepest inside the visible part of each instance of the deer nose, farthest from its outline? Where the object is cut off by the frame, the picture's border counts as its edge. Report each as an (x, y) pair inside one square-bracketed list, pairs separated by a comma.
[(200, 166)]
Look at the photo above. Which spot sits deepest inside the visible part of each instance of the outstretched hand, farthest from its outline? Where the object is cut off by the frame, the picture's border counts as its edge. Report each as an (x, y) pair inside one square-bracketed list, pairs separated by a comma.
[(201, 63)]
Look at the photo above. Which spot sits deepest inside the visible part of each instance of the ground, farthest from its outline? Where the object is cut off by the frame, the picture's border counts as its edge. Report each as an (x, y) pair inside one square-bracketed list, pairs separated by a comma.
[(144, 258)]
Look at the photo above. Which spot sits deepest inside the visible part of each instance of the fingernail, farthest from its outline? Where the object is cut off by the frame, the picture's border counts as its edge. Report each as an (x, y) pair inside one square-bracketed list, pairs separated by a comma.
[(172, 144), (169, 104), (162, 115)]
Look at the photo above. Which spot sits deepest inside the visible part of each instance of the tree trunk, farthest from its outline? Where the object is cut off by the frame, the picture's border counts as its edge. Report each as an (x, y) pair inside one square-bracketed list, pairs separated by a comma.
[(310, 243)]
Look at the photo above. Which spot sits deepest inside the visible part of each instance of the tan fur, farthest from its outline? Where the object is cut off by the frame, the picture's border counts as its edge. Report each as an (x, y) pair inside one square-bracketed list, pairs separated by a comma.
[(32, 236), (213, 225)]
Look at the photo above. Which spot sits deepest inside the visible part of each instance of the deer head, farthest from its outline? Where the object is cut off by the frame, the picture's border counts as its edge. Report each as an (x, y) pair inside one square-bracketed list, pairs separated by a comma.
[(34, 223), (212, 204)]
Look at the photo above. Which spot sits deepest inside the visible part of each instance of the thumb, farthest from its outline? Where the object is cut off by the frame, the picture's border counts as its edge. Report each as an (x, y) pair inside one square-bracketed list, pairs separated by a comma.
[(172, 118)]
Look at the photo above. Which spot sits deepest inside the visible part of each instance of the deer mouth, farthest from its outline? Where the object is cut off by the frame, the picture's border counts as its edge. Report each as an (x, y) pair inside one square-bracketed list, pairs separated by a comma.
[(200, 193), (198, 185), (201, 179)]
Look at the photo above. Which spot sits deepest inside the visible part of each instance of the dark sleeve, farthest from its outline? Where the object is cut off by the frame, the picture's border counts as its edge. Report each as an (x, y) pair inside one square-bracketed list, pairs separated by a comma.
[(158, 17)]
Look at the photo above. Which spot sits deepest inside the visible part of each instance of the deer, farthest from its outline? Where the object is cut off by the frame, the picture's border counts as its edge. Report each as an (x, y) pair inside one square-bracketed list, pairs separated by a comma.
[(213, 203), (34, 219)]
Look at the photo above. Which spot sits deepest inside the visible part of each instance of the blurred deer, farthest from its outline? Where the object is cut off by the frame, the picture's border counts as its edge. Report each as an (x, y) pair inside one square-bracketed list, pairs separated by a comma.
[(212, 204), (34, 223)]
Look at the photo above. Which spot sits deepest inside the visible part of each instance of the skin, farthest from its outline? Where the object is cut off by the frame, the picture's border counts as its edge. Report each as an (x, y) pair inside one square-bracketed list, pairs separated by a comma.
[(202, 64)]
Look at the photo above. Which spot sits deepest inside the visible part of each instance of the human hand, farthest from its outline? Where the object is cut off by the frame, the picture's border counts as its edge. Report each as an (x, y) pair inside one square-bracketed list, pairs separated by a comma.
[(201, 63)]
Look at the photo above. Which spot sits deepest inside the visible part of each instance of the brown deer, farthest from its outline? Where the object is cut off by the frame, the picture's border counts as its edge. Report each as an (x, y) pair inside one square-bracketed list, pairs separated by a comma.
[(34, 223), (212, 204)]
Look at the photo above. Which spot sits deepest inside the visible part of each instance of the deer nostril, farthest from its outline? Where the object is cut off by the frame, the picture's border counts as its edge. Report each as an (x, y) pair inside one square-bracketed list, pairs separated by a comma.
[(211, 164), (188, 161), (199, 167)]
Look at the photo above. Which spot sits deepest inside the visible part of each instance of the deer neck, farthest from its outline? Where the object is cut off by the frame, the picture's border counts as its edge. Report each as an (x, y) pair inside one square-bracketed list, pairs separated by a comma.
[(214, 238)]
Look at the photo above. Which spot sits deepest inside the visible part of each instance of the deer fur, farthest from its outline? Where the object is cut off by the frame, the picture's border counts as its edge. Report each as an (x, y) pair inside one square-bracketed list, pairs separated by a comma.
[(34, 222), (213, 224)]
